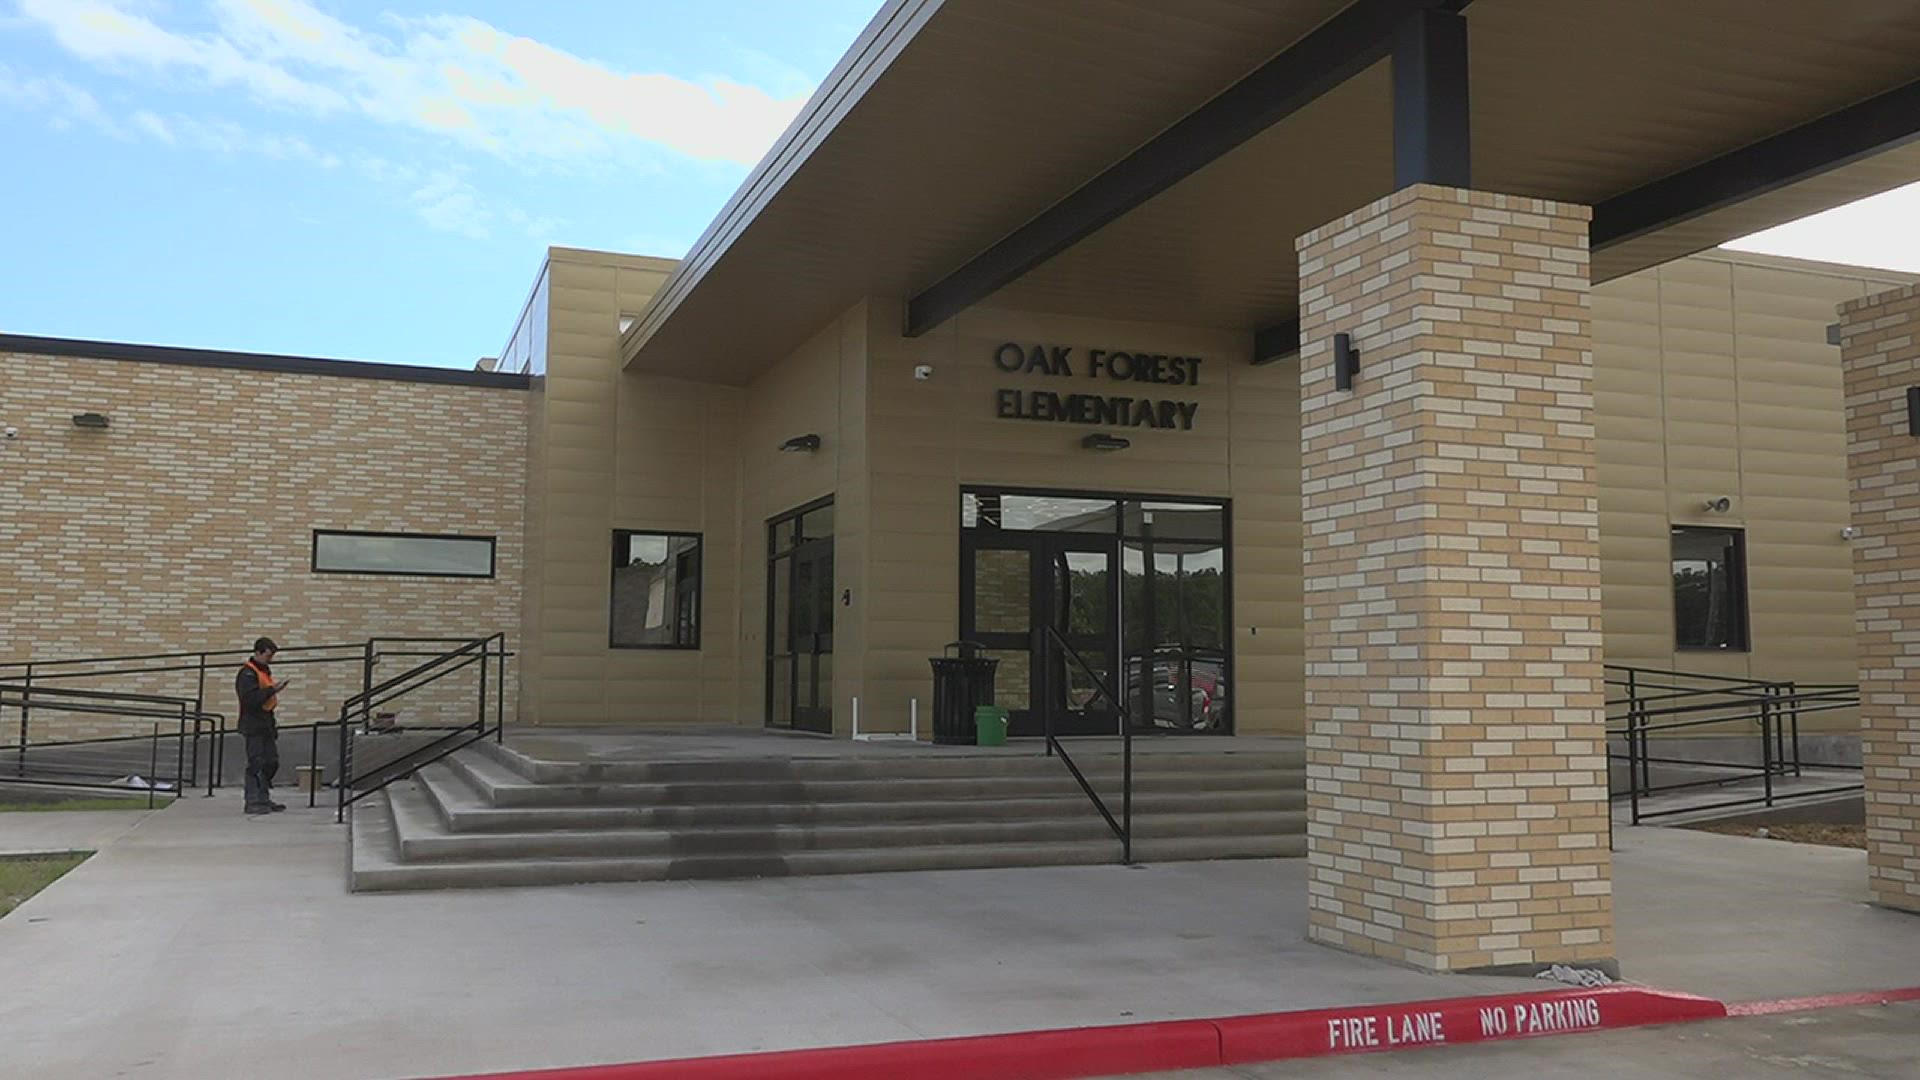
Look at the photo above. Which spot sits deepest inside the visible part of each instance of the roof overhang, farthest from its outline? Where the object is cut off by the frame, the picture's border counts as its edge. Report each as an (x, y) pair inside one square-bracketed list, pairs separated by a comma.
[(949, 129)]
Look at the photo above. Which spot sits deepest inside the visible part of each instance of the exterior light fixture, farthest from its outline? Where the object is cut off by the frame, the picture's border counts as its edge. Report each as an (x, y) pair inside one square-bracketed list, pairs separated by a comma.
[(1913, 410), (1718, 506), (90, 420), (1100, 440), (1346, 362), (801, 444)]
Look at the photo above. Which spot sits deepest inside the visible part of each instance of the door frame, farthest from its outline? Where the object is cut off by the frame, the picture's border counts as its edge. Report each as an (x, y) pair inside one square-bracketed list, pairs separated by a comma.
[(1041, 547), (788, 561), (1117, 677)]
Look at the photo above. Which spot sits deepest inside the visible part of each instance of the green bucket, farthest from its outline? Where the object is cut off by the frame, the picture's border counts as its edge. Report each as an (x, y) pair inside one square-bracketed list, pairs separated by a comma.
[(989, 725)]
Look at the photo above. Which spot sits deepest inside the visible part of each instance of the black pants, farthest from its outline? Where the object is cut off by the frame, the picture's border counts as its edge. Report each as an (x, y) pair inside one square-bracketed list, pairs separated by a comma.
[(263, 760)]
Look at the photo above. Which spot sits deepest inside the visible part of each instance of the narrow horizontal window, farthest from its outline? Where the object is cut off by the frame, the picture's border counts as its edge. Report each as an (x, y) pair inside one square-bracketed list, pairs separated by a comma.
[(656, 591), (340, 552)]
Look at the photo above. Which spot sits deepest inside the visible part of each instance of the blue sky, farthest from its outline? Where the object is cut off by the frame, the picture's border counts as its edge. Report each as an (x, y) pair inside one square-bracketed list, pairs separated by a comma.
[(378, 181), (365, 179)]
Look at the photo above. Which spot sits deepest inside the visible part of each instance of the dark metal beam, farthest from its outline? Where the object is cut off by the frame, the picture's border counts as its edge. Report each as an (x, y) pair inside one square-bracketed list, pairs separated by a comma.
[(1430, 126), (1340, 48), (1274, 342), (1840, 138)]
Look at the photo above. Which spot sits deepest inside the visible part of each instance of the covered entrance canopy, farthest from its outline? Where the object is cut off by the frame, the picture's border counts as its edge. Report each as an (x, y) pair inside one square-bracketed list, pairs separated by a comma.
[(1433, 184), (952, 127)]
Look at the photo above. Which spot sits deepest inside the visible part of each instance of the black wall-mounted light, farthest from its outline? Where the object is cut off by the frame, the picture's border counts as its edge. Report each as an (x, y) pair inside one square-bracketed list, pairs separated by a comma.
[(1913, 410), (91, 420), (801, 444), (1100, 440), (1346, 362)]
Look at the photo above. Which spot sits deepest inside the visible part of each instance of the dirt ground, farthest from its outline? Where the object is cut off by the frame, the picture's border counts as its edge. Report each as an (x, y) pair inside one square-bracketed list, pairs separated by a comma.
[(1853, 836)]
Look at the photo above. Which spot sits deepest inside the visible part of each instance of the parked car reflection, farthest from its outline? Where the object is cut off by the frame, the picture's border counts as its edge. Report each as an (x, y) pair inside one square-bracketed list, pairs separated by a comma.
[(1174, 688)]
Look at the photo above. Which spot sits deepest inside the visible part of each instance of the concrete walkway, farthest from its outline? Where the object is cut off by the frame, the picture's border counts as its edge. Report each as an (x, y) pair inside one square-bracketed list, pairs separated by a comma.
[(36, 832), (1741, 919), (205, 944)]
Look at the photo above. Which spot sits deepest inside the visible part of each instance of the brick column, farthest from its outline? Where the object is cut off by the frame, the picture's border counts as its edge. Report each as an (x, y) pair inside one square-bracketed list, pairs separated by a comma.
[(1880, 359), (1456, 770)]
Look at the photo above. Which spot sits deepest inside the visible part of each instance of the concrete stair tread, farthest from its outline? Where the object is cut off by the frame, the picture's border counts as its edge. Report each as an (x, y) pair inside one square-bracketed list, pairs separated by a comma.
[(422, 833), (502, 786), (475, 819), (466, 809), (377, 867), (906, 764)]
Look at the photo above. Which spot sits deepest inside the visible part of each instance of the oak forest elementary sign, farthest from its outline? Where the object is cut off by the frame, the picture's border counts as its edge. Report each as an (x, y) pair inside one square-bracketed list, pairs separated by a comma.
[(1110, 410)]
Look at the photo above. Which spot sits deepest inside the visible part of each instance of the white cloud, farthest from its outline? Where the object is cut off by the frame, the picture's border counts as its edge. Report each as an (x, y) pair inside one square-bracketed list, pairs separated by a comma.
[(63, 101), (152, 125), (455, 78), (105, 32), (450, 204)]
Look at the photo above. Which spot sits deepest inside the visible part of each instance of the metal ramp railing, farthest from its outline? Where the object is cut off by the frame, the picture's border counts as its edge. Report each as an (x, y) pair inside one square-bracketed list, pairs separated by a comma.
[(1755, 730)]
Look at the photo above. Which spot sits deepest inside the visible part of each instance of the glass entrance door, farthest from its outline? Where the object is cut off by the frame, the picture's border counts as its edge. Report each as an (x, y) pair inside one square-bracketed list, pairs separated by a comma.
[(1158, 569), (1013, 582), (800, 620)]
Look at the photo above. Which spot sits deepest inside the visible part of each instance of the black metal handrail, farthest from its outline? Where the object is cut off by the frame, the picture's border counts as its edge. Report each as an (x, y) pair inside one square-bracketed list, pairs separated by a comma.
[(358, 780), (189, 727), (1046, 638), (1662, 701), (212, 726), (368, 654)]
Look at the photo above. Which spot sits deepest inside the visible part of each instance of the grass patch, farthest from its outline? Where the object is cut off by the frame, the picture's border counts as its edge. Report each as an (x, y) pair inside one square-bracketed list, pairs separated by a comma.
[(23, 875), (108, 803), (1853, 836)]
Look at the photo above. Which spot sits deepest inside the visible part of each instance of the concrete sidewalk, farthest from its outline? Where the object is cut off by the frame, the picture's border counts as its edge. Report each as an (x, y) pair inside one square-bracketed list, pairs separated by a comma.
[(1740, 919), (205, 944), (35, 832)]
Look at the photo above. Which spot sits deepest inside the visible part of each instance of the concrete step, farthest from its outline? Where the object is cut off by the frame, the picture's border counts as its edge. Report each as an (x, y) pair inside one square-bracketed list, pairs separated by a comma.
[(501, 786), (904, 763), (465, 810), (477, 819), (422, 834), (376, 865)]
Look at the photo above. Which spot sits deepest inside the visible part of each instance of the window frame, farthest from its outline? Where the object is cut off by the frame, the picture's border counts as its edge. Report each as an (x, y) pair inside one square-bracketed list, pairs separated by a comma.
[(620, 536), (492, 542), (1740, 589)]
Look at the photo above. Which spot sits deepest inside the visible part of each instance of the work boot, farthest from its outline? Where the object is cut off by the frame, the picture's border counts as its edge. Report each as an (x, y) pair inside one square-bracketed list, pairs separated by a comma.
[(252, 810), (276, 807)]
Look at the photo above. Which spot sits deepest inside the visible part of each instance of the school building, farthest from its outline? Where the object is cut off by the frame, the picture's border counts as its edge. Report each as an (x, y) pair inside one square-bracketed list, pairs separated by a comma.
[(1362, 373)]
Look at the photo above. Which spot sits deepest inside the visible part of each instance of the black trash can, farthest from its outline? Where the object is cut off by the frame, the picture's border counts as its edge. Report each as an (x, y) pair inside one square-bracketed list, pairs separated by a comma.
[(962, 679)]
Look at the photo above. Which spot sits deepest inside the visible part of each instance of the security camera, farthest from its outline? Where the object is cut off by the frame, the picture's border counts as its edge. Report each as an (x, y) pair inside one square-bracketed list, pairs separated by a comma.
[(1848, 532), (1720, 505), (10, 431), (922, 372)]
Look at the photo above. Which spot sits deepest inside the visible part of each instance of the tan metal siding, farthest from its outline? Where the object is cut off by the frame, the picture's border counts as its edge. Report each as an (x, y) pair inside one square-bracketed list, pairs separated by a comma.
[(1713, 377)]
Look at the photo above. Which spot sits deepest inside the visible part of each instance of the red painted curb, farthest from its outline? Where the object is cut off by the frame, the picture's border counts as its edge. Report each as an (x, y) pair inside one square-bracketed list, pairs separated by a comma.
[(1823, 1001), (1452, 1021), (1068, 1053), (1024, 1055)]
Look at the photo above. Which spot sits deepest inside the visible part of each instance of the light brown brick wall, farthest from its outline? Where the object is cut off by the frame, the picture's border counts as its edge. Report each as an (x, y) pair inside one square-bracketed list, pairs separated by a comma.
[(187, 524), (1880, 356), (1456, 778)]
